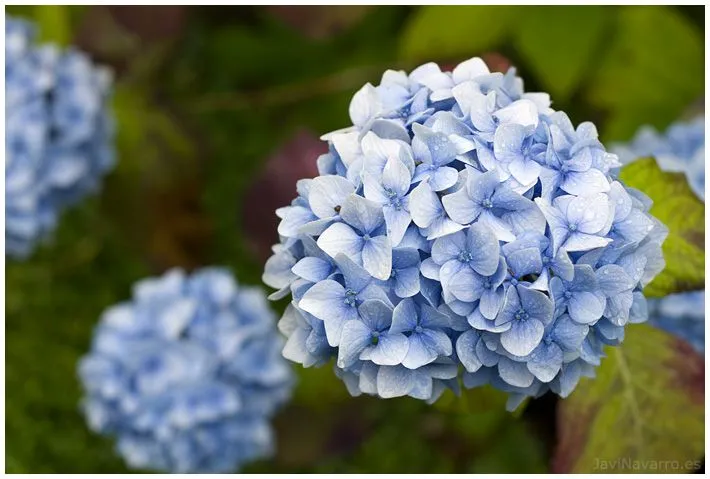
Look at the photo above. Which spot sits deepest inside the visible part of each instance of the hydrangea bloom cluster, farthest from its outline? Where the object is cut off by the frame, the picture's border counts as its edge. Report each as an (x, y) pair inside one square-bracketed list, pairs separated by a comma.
[(58, 134), (188, 374), (461, 225), (680, 150)]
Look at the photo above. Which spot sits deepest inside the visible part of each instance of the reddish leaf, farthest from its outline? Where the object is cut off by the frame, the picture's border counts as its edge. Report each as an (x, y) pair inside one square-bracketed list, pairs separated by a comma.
[(644, 412), (276, 187), (319, 22)]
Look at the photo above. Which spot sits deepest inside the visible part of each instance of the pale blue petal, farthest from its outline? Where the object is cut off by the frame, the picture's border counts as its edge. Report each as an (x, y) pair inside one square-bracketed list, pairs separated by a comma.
[(584, 242), (355, 337), (377, 257), (522, 337), (569, 334), (362, 214), (404, 317), (521, 112), (293, 218), (406, 284), (433, 319), (397, 222), (376, 315), (312, 269), (588, 182), (418, 353), (466, 285), (442, 178), (491, 301), (484, 249), (394, 381), (508, 142), (430, 269), (424, 205), (340, 238), (460, 207), (466, 350), (589, 213), (524, 262), (448, 248), (545, 362), (328, 192), (390, 350), (613, 279), (396, 176), (441, 226), (515, 373), (585, 307), (536, 304)]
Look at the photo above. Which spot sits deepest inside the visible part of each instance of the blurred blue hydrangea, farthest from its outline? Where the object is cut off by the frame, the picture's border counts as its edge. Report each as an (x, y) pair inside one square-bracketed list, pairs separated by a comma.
[(682, 315), (464, 225), (682, 150), (187, 375), (58, 134)]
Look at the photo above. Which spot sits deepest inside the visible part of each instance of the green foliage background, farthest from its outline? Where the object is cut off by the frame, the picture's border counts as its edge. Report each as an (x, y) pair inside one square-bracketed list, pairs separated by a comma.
[(201, 104)]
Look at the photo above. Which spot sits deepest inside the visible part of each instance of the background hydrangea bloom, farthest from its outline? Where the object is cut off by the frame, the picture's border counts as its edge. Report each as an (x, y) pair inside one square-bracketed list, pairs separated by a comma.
[(188, 374), (58, 134), (681, 149), (462, 222)]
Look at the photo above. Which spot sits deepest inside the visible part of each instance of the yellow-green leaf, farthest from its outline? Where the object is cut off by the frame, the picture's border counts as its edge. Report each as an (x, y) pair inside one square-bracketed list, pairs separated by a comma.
[(450, 32), (644, 412), (54, 23), (683, 213)]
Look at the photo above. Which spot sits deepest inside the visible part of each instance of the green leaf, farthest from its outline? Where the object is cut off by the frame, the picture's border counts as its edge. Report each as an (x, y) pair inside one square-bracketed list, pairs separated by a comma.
[(644, 412), (449, 32), (676, 206), (653, 70), (559, 44), (54, 23)]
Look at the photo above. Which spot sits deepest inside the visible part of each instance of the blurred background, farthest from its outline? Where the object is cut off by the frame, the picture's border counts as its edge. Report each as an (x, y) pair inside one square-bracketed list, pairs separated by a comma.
[(219, 110)]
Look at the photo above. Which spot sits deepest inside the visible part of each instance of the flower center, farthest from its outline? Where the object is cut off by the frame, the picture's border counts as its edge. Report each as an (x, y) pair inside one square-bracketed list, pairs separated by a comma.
[(350, 297), (568, 294), (418, 329), (572, 228), (465, 256), (366, 237), (393, 274), (394, 199), (521, 315), (487, 203)]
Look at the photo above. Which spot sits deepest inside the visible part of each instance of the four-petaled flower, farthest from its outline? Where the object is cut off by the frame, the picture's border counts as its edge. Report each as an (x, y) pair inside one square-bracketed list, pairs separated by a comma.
[(527, 312)]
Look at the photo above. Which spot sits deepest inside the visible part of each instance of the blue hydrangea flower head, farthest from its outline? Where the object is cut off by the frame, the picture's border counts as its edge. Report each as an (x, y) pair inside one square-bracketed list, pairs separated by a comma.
[(188, 374), (461, 232), (681, 149), (58, 134)]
